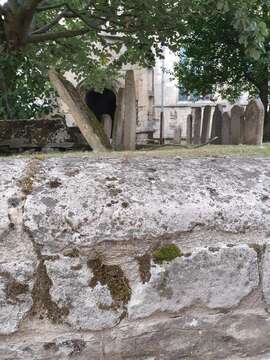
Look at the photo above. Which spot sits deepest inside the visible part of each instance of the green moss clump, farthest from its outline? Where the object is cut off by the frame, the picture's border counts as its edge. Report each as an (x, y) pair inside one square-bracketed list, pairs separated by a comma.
[(167, 253), (112, 276)]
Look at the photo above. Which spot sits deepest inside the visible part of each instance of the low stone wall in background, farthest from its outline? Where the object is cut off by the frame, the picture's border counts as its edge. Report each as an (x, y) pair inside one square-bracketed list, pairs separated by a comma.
[(17, 135), (143, 259)]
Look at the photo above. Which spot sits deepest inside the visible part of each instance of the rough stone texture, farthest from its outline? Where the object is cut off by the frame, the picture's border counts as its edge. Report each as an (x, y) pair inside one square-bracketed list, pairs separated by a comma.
[(219, 279), (177, 135), (130, 112), (39, 133), (226, 129), (217, 125), (238, 123), (206, 124), (254, 123), (119, 118), (211, 303)]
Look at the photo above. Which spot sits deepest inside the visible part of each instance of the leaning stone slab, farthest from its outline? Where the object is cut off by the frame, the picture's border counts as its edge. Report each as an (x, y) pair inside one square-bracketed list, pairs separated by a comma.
[(90, 127), (254, 123), (238, 125), (197, 116), (130, 122), (217, 125), (206, 124), (206, 278), (226, 129)]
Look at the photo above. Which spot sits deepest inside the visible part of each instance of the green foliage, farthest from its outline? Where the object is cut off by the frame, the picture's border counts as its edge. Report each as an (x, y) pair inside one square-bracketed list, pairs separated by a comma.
[(167, 253), (226, 50), (76, 36)]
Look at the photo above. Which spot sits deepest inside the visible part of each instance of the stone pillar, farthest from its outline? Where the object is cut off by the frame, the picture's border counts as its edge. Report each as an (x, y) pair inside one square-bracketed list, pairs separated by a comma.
[(130, 112), (254, 123), (226, 129), (107, 124), (189, 129), (197, 116), (217, 125), (118, 129), (206, 124), (177, 135), (237, 125)]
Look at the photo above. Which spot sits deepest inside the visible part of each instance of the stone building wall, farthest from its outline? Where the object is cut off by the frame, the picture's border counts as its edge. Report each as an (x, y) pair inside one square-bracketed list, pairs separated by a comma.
[(139, 259)]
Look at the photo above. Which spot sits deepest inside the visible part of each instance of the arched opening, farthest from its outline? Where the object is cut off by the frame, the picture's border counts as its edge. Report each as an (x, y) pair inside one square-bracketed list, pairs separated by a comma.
[(103, 106)]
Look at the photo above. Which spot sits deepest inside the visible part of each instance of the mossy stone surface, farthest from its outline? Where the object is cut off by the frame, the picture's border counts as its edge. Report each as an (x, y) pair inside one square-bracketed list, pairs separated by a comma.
[(167, 253)]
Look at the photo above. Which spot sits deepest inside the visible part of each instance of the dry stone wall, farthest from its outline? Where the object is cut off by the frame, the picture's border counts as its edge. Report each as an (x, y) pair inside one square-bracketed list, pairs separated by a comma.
[(134, 259)]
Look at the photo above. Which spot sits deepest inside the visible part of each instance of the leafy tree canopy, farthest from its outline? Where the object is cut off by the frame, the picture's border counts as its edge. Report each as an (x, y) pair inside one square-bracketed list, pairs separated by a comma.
[(78, 36), (225, 49)]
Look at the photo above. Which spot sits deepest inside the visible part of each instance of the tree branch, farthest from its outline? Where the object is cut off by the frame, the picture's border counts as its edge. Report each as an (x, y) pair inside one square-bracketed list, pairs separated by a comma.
[(36, 38)]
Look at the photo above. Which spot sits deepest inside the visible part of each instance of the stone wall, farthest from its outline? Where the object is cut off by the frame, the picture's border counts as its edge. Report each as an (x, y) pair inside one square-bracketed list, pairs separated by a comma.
[(28, 134), (140, 258)]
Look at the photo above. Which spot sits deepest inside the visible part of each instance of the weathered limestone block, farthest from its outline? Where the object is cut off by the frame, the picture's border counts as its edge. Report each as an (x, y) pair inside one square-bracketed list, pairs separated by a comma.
[(197, 116), (238, 125), (94, 200), (130, 112), (89, 307), (17, 256), (119, 118), (254, 122), (78, 271), (226, 129), (189, 129), (217, 125), (177, 135), (218, 279), (266, 274)]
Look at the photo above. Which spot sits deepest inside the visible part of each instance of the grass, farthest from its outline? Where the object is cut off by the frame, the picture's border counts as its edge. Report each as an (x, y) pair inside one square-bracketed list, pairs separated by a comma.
[(243, 151)]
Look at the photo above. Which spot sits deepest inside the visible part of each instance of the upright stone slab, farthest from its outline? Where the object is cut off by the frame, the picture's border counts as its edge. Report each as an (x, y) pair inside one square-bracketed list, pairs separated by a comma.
[(217, 125), (85, 119), (177, 135), (107, 124), (237, 124), (226, 129), (189, 129), (130, 112), (254, 123), (206, 124), (119, 117), (197, 115)]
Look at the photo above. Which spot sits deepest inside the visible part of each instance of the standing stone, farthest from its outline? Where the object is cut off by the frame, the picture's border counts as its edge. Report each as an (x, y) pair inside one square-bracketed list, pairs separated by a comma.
[(237, 124), (226, 129), (197, 115), (206, 124), (217, 125), (177, 135), (119, 117), (130, 112), (85, 119), (189, 129), (106, 121), (254, 123)]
